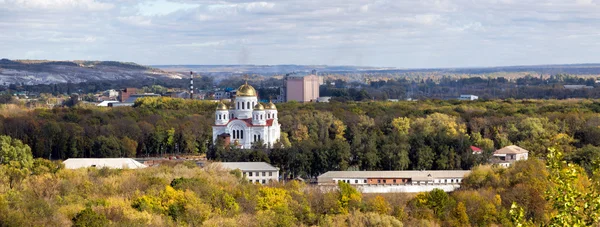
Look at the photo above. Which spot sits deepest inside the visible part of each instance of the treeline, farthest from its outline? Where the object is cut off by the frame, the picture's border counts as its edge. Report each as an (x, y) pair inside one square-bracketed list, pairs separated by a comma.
[(318, 137), (38, 192)]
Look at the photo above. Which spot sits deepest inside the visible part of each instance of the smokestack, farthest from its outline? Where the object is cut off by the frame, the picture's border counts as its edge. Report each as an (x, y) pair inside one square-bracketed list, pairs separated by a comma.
[(191, 85)]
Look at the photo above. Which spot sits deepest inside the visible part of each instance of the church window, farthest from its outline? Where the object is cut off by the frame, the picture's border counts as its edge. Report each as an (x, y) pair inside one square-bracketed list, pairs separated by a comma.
[(243, 105), (238, 105), (261, 116), (258, 137), (254, 138), (241, 134), (219, 117), (249, 107)]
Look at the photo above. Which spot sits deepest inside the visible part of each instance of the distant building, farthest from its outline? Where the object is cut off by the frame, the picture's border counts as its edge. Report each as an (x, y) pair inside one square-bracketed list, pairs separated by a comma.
[(125, 93), (112, 93), (509, 154), (323, 99), (393, 100), (476, 150), (105, 103), (468, 97), (396, 181), (255, 172), (113, 163), (300, 87), (577, 87), (131, 99)]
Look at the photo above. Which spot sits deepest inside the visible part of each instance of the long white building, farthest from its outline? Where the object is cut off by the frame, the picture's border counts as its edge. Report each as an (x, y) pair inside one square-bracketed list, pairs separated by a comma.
[(396, 181), (246, 121)]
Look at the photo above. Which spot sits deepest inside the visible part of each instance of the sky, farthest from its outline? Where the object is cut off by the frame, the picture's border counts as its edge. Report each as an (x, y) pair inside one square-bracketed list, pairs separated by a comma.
[(389, 33)]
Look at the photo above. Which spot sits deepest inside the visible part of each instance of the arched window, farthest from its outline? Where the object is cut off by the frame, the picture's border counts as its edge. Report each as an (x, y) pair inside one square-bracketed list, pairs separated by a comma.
[(238, 104), (219, 117), (243, 105), (249, 107), (241, 134)]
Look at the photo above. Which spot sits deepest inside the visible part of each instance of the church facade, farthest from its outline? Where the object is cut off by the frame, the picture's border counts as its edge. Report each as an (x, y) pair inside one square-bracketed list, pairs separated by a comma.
[(246, 121)]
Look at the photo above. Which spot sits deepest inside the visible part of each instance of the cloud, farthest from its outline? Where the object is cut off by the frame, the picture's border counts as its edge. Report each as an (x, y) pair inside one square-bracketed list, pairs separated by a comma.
[(401, 33), (90, 5)]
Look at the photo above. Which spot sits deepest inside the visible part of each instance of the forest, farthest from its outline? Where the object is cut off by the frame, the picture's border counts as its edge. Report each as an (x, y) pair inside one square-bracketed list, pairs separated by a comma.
[(39, 192), (319, 137)]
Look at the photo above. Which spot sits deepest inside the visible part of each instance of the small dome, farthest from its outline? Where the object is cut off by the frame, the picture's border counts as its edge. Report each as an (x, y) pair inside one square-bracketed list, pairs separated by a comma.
[(246, 91), (222, 106), (270, 106), (259, 107)]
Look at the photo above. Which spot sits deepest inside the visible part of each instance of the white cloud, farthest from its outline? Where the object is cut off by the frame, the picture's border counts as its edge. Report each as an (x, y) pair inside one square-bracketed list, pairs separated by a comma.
[(91, 5)]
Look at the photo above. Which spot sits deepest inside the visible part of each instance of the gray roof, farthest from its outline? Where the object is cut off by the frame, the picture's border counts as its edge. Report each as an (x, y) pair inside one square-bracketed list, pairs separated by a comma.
[(415, 174), (512, 149), (114, 163), (249, 166)]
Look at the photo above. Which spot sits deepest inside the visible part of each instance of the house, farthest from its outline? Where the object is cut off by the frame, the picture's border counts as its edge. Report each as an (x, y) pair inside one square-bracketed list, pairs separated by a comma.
[(468, 97), (255, 172), (113, 163), (395, 181), (476, 150), (509, 154)]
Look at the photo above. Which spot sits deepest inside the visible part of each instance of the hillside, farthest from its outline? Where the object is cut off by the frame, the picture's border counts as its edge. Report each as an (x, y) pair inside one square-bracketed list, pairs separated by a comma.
[(576, 69), (32, 72)]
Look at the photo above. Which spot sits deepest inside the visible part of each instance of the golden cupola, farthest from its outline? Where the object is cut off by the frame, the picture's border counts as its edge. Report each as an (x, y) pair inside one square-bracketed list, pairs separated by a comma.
[(270, 106), (222, 106), (259, 107), (246, 91)]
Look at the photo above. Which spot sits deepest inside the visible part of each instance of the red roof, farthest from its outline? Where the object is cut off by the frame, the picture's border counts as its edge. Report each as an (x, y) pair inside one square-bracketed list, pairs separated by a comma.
[(476, 149)]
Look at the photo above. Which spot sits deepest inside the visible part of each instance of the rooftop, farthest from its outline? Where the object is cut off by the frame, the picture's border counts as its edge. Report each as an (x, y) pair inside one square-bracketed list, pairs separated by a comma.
[(512, 149), (248, 166), (394, 174), (114, 163)]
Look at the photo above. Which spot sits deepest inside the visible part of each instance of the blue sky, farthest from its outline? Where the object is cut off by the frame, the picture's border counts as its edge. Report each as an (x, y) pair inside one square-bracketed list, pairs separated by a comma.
[(395, 33)]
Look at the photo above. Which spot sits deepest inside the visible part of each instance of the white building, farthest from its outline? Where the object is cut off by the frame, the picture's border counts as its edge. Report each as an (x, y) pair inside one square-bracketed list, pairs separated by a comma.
[(246, 121), (468, 97), (509, 154), (396, 181), (113, 163), (255, 172)]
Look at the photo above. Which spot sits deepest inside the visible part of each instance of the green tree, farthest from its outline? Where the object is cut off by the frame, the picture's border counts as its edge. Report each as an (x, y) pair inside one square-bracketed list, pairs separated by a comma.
[(89, 218)]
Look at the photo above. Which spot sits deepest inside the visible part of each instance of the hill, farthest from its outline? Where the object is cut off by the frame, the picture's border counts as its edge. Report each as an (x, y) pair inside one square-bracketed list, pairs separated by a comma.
[(33, 72), (576, 69)]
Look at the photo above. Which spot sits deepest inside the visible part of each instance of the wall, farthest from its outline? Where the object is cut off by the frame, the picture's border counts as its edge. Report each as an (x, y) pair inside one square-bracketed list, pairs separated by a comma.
[(295, 89), (274, 176)]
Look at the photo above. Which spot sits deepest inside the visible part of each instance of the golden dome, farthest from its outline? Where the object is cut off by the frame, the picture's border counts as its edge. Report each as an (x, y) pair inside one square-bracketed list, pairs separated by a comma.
[(259, 107), (222, 106), (270, 106), (245, 90)]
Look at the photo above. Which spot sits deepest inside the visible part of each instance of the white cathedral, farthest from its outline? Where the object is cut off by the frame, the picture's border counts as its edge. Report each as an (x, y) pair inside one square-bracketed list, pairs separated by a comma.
[(246, 121)]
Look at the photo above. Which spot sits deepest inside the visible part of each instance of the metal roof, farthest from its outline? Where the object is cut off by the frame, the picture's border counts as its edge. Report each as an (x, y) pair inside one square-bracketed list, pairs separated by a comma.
[(114, 163), (414, 174), (249, 166), (512, 149)]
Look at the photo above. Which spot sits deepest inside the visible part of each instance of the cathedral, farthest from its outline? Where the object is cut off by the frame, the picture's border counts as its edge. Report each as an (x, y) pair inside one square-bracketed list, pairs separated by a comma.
[(246, 121)]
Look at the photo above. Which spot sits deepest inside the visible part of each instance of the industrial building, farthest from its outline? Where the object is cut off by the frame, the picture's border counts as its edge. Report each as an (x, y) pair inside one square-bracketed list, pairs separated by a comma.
[(300, 87), (113, 163)]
